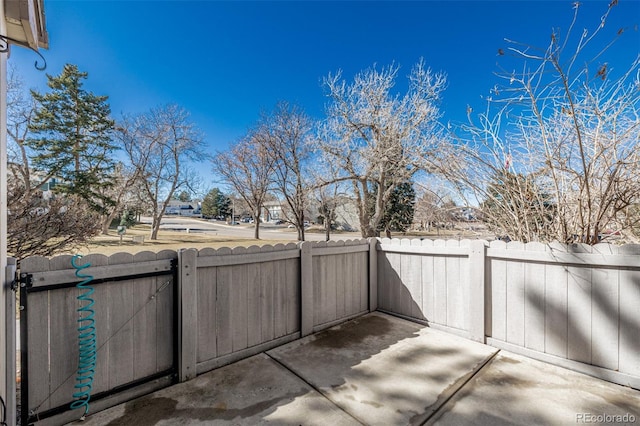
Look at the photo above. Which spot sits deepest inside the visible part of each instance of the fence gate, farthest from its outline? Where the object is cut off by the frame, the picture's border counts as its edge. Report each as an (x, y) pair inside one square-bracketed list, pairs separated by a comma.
[(136, 313)]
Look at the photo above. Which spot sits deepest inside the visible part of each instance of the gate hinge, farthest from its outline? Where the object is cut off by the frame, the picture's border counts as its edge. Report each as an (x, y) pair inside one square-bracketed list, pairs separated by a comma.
[(26, 280)]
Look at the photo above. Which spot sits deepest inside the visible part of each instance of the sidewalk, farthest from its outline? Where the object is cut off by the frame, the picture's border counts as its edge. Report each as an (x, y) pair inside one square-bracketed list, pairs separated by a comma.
[(381, 370)]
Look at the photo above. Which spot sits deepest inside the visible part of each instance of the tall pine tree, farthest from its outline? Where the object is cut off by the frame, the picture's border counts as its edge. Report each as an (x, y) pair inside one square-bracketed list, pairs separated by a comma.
[(72, 138)]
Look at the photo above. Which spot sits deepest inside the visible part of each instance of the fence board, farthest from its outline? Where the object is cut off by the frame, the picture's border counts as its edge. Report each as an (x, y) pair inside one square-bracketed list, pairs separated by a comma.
[(254, 326), (121, 339), (331, 302), (37, 318), (66, 276), (629, 318), (465, 288), (384, 290), (319, 292), (556, 311), (364, 280), (629, 322), (579, 314), (515, 298), (207, 313), (455, 300), (187, 314), (498, 285), (292, 269), (352, 287), (406, 283), (393, 276), (440, 282), (225, 257), (534, 307), (280, 299), (605, 314), (239, 293), (103, 310), (428, 285), (64, 337), (342, 285), (39, 380), (144, 322), (165, 318), (350, 266), (267, 303), (224, 330)]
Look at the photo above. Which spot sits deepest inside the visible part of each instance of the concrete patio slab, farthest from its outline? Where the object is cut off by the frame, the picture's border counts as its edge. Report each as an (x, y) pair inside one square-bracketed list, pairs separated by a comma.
[(254, 391), (381, 370), (515, 390), (384, 370)]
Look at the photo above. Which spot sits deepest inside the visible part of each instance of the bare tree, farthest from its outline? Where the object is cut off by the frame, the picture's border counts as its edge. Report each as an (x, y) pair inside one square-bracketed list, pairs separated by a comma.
[(160, 144), (248, 169), (377, 138), (328, 198), (124, 179), (286, 135), (555, 155)]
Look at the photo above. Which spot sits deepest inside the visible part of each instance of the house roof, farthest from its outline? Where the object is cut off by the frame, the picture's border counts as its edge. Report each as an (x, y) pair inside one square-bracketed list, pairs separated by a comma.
[(26, 23)]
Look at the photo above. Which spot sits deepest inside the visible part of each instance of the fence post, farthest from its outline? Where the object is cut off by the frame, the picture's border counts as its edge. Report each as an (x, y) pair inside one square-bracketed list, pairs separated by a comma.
[(477, 257), (306, 289), (373, 274), (188, 314), (10, 332)]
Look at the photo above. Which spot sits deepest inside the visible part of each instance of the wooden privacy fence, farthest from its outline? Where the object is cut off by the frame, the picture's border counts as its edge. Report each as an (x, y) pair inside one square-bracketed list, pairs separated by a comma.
[(575, 306), (169, 316), (173, 315), (242, 301)]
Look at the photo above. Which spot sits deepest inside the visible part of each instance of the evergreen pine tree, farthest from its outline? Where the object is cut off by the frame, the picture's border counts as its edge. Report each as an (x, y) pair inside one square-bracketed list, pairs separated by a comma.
[(216, 204), (72, 137), (398, 213)]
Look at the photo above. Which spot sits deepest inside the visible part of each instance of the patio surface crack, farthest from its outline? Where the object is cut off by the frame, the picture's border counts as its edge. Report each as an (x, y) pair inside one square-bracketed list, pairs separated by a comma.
[(435, 410), (315, 388)]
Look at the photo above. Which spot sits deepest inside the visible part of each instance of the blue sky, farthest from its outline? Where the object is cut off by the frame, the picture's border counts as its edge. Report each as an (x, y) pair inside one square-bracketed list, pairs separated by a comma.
[(226, 61)]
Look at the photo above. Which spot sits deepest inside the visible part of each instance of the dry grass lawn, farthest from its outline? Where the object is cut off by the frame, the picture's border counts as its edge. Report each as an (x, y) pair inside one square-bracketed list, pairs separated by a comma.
[(167, 240), (174, 240)]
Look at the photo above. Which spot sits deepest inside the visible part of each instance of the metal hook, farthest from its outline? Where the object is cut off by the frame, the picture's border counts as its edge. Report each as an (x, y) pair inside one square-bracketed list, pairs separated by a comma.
[(5, 48)]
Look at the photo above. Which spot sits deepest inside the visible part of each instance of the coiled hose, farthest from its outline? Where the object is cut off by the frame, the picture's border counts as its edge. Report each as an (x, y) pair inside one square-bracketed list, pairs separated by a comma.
[(86, 340)]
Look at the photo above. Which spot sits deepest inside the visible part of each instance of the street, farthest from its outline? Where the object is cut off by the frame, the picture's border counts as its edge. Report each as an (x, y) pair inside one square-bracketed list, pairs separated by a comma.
[(268, 231)]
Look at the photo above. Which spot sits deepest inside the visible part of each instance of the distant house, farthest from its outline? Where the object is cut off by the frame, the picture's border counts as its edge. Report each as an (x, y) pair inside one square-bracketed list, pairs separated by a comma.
[(346, 218), (183, 208), (46, 187), (345, 214), (271, 211)]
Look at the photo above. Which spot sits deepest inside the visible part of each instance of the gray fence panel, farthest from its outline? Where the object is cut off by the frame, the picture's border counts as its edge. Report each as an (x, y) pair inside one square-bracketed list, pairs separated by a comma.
[(133, 319)]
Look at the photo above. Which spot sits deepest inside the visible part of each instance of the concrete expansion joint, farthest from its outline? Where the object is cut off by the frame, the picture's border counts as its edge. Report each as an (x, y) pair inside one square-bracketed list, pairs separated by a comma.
[(295, 373), (435, 410)]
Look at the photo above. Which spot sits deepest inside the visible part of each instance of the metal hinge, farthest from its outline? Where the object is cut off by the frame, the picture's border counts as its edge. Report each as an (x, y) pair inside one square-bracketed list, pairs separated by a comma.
[(26, 280), (14, 283)]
